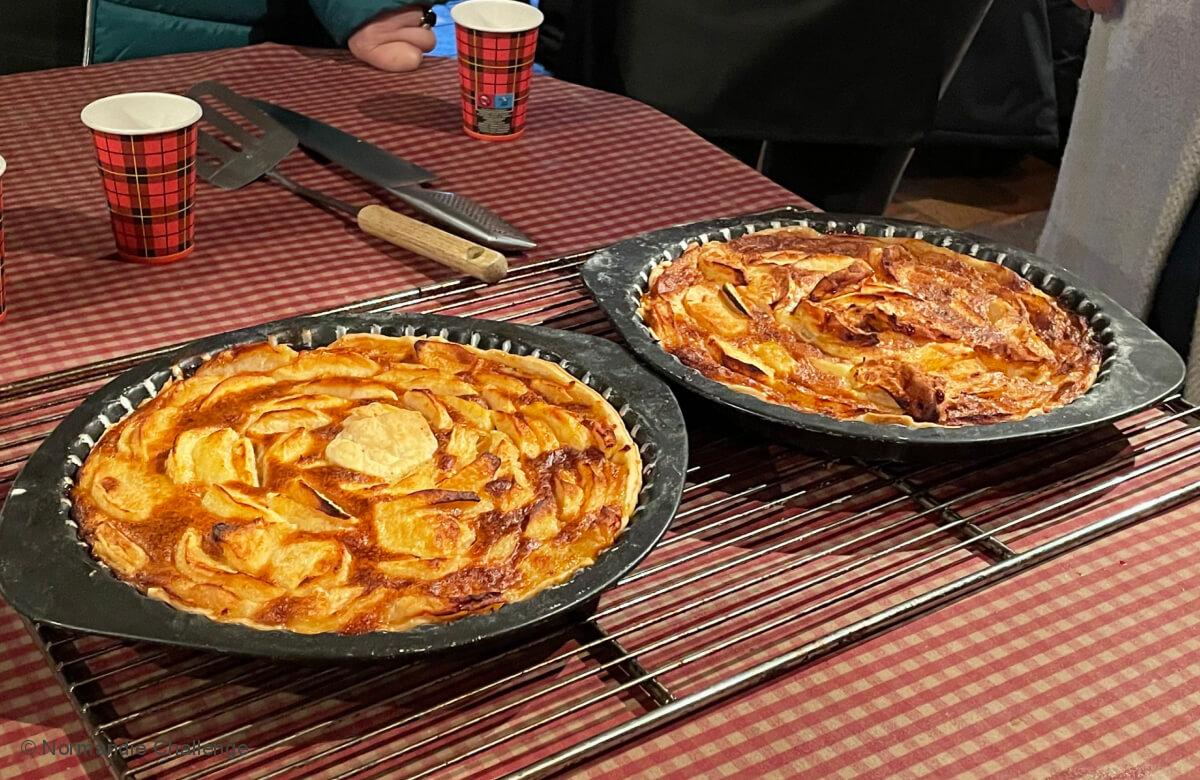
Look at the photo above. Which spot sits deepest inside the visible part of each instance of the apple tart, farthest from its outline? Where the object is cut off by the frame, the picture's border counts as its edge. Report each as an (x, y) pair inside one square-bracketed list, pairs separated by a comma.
[(370, 485), (881, 330)]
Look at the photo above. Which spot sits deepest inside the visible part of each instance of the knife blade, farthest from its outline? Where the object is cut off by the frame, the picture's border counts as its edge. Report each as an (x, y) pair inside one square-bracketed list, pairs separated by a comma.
[(401, 178)]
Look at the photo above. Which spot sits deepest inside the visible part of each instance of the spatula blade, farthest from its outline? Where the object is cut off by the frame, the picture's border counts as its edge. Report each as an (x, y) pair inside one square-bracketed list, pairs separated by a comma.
[(237, 156)]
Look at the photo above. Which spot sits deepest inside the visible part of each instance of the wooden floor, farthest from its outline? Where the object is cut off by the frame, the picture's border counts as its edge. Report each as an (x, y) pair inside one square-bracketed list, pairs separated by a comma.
[(1010, 207)]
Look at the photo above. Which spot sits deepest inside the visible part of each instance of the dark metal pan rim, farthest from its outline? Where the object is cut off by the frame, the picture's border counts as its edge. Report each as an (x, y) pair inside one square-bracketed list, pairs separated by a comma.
[(1138, 368), (48, 573)]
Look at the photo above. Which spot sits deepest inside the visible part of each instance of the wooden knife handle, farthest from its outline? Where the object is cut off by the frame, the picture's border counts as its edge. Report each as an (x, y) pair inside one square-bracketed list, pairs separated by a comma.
[(438, 245)]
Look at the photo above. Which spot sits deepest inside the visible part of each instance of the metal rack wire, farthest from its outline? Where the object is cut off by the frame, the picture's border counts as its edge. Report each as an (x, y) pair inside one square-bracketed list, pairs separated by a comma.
[(775, 560)]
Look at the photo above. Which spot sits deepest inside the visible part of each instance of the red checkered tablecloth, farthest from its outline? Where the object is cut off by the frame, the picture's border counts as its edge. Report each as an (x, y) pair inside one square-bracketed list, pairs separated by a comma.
[(594, 168), (1085, 667)]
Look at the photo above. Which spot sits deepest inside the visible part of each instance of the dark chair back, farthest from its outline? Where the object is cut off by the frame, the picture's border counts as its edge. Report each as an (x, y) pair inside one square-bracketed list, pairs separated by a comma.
[(860, 73), (43, 34)]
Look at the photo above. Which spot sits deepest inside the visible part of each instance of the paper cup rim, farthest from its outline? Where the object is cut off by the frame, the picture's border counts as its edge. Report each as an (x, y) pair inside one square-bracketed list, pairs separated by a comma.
[(186, 120), (3, 166), (535, 16)]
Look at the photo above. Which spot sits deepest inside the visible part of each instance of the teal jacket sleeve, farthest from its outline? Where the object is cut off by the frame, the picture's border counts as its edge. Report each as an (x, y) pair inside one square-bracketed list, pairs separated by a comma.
[(342, 17)]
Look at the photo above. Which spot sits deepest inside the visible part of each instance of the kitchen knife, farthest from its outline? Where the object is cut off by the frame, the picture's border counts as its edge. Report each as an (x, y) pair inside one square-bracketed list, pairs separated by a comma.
[(401, 178), (242, 144)]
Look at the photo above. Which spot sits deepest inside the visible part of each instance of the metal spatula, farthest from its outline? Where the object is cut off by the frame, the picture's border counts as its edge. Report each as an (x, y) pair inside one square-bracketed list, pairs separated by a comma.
[(243, 156)]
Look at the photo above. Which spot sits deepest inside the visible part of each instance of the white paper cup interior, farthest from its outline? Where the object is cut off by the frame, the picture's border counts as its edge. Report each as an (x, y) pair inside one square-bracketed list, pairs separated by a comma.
[(3, 166), (499, 16), (140, 113)]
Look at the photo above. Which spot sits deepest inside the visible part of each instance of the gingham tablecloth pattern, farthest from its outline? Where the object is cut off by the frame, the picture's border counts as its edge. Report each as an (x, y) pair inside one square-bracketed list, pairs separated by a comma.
[(594, 168), (1085, 667)]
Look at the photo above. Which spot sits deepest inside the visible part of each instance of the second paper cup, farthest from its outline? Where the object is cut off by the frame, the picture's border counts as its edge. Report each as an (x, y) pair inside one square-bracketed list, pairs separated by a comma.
[(145, 145), (496, 41)]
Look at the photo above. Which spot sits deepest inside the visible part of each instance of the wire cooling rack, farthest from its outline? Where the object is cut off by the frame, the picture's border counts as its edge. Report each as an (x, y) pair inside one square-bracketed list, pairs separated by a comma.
[(775, 560)]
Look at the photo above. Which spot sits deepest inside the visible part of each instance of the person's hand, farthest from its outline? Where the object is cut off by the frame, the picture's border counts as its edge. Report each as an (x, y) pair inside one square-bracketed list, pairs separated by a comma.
[(393, 40), (1102, 7)]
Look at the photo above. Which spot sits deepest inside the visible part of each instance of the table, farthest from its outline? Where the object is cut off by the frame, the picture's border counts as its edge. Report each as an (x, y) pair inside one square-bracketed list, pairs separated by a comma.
[(601, 167), (1084, 666)]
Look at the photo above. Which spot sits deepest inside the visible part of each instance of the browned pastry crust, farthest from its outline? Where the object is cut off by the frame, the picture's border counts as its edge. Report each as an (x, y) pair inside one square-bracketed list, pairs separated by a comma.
[(373, 484), (888, 330)]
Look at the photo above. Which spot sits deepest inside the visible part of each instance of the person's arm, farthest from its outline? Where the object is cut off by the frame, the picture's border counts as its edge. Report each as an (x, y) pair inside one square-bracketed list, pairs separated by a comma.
[(384, 33)]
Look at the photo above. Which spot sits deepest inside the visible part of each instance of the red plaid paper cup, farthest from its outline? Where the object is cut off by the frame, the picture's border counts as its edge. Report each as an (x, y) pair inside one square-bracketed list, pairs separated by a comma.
[(145, 146), (3, 304), (496, 41)]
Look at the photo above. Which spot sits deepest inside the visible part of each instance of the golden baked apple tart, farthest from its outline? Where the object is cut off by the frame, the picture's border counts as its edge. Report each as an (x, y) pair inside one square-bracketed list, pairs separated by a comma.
[(373, 484), (873, 329)]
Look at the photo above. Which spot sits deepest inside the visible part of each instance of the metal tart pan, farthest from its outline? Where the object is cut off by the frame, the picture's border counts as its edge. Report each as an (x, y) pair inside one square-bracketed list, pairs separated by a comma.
[(49, 575), (1138, 368)]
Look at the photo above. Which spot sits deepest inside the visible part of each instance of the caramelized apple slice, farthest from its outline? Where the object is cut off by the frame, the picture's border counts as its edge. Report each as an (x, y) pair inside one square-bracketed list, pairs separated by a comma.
[(259, 358), (118, 550), (350, 389), (154, 433), (568, 493), (284, 420), (473, 475), (323, 364), (445, 356), (194, 563), (421, 525), (474, 413), (430, 407), (296, 562), (542, 521), (715, 313), (568, 431), (305, 518), (300, 490), (232, 386), (212, 455), (393, 348)]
